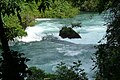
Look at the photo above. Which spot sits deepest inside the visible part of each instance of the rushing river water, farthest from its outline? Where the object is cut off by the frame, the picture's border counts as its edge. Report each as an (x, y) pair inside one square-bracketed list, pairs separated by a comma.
[(47, 53)]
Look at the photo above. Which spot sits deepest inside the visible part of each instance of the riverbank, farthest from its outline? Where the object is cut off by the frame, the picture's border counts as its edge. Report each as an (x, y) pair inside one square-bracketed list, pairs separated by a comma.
[(58, 9), (15, 28)]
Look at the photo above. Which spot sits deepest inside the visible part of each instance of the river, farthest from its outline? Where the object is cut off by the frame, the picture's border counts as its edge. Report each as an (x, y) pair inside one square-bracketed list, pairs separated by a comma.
[(47, 53)]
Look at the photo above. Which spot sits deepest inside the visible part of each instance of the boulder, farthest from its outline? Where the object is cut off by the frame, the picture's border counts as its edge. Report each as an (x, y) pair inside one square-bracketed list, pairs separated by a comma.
[(68, 32)]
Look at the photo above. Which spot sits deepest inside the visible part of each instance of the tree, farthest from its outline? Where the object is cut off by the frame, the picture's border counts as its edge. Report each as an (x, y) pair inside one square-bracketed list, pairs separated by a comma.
[(61, 9), (70, 72), (37, 74), (108, 54), (13, 65), (85, 5), (63, 72)]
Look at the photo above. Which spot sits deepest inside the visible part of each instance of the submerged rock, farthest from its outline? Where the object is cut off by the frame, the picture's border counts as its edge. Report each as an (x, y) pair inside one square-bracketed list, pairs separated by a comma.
[(49, 38), (68, 32), (75, 25)]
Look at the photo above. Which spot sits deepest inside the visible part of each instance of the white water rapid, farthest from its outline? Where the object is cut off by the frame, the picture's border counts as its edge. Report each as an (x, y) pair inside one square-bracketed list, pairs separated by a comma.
[(46, 48)]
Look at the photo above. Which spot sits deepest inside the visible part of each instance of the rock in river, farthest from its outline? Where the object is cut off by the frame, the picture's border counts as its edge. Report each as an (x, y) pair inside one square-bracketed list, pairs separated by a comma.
[(68, 32)]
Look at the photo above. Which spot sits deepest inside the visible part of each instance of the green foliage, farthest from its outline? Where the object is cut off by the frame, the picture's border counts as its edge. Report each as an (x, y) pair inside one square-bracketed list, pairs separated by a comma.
[(73, 72), (89, 5), (63, 72), (13, 28), (108, 62), (108, 54), (28, 14), (60, 9), (16, 24), (9, 7), (104, 5), (85, 5), (76, 3), (12, 66), (37, 74), (17, 15)]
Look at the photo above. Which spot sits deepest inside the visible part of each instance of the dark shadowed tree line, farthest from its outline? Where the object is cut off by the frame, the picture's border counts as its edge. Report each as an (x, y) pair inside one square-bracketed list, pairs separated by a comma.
[(108, 54)]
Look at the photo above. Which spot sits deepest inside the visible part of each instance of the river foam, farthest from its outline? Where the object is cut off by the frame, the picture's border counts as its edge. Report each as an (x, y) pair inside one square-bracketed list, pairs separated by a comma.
[(92, 30), (45, 48)]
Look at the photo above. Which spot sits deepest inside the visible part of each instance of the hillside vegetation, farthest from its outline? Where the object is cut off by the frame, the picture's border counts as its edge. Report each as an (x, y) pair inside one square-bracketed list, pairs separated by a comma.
[(15, 28)]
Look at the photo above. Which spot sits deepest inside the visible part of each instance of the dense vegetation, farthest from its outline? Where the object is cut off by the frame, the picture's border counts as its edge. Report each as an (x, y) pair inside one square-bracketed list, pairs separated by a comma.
[(61, 9), (85, 5), (58, 9), (108, 54), (12, 63), (63, 72), (15, 28)]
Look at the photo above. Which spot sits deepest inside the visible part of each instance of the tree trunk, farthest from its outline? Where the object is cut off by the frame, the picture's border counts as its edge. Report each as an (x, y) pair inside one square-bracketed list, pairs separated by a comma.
[(3, 37)]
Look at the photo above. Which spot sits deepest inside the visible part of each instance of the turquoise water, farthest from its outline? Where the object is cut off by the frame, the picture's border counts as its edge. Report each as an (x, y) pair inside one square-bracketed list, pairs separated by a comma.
[(48, 52)]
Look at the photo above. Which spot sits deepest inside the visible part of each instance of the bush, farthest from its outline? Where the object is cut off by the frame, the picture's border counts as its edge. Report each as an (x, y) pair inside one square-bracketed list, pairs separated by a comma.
[(13, 66), (61, 9), (63, 72), (73, 72)]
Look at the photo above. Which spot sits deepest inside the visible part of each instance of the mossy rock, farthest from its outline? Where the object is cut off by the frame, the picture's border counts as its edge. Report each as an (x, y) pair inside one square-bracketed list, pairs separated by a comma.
[(68, 32)]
